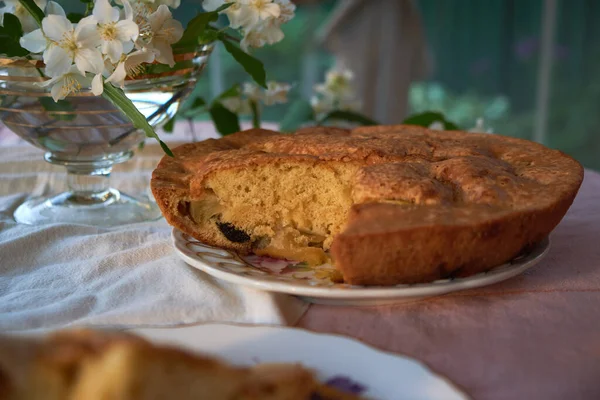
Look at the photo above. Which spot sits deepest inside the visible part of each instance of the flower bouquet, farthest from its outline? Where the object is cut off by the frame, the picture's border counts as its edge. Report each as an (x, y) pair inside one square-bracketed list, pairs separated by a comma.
[(87, 86)]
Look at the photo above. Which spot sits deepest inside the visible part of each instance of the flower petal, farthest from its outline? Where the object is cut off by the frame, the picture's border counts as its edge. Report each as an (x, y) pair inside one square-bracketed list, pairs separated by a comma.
[(35, 41), (272, 33), (270, 10), (172, 3), (97, 85), (212, 5), (118, 76), (58, 91), (87, 34), (165, 52), (89, 60), (104, 12), (55, 26), (246, 17), (128, 10), (57, 61), (174, 31), (127, 30), (53, 8), (158, 18), (139, 57), (127, 47), (113, 49), (49, 82)]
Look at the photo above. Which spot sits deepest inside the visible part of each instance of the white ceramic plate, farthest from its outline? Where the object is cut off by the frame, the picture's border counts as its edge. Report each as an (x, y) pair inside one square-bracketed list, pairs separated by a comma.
[(317, 284), (384, 376)]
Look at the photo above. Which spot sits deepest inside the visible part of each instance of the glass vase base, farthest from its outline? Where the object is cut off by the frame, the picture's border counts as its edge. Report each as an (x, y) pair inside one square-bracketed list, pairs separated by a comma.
[(110, 208)]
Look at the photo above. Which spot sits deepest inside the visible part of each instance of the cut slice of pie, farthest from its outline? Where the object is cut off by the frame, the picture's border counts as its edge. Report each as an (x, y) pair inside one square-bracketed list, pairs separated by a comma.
[(97, 365), (387, 205)]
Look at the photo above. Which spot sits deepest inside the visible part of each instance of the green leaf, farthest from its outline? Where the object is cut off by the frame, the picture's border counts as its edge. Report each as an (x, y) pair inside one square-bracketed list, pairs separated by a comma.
[(33, 10), (190, 39), (208, 36), (61, 106), (151, 69), (298, 113), (252, 65), (197, 103), (223, 7), (170, 125), (226, 122), (429, 117), (12, 26), (233, 91), (117, 97), (74, 17), (349, 116), (10, 33)]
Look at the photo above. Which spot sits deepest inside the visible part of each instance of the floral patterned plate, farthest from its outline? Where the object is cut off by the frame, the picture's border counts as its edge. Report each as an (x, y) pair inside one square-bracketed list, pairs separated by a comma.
[(323, 284), (338, 361)]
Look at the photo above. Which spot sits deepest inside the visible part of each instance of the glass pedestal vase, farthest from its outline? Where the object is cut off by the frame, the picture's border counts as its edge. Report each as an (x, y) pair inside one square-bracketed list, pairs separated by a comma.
[(88, 135)]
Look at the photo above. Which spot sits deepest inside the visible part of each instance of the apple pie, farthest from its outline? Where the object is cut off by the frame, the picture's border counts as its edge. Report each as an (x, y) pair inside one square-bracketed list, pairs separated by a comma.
[(386, 205)]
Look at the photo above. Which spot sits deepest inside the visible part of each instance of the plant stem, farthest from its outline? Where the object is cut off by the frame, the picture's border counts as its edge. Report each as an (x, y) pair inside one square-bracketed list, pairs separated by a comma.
[(89, 8), (192, 129), (255, 114), (225, 35)]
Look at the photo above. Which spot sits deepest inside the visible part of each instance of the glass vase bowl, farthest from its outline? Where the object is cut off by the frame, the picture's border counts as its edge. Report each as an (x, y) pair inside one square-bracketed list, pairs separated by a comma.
[(88, 135)]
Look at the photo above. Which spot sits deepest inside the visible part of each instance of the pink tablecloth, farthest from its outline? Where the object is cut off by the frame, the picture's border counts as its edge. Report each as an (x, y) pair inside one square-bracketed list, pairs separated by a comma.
[(536, 336)]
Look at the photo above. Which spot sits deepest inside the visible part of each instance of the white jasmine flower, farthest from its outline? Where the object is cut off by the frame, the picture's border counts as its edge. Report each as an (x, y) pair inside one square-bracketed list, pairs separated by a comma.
[(287, 10), (338, 81), (152, 4), (53, 8), (252, 91), (234, 12), (14, 7), (35, 42), (237, 105), (117, 36), (252, 39), (276, 93), (268, 33), (255, 11), (170, 3), (247, 14), (165, 32), (437, 126), (321, 105), (68, 45), (130, 66), (336, 93), (480, 127), (72, 81)]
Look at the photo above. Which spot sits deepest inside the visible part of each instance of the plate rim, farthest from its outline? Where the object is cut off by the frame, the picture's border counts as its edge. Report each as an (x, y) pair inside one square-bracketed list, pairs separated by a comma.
[(495, 275), (296, 329)]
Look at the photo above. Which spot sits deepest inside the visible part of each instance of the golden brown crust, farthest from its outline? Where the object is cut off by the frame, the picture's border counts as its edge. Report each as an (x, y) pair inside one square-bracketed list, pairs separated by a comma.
[(428, 204)]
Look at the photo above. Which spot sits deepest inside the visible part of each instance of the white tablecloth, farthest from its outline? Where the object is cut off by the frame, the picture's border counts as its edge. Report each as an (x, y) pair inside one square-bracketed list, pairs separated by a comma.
[(60, 275)]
